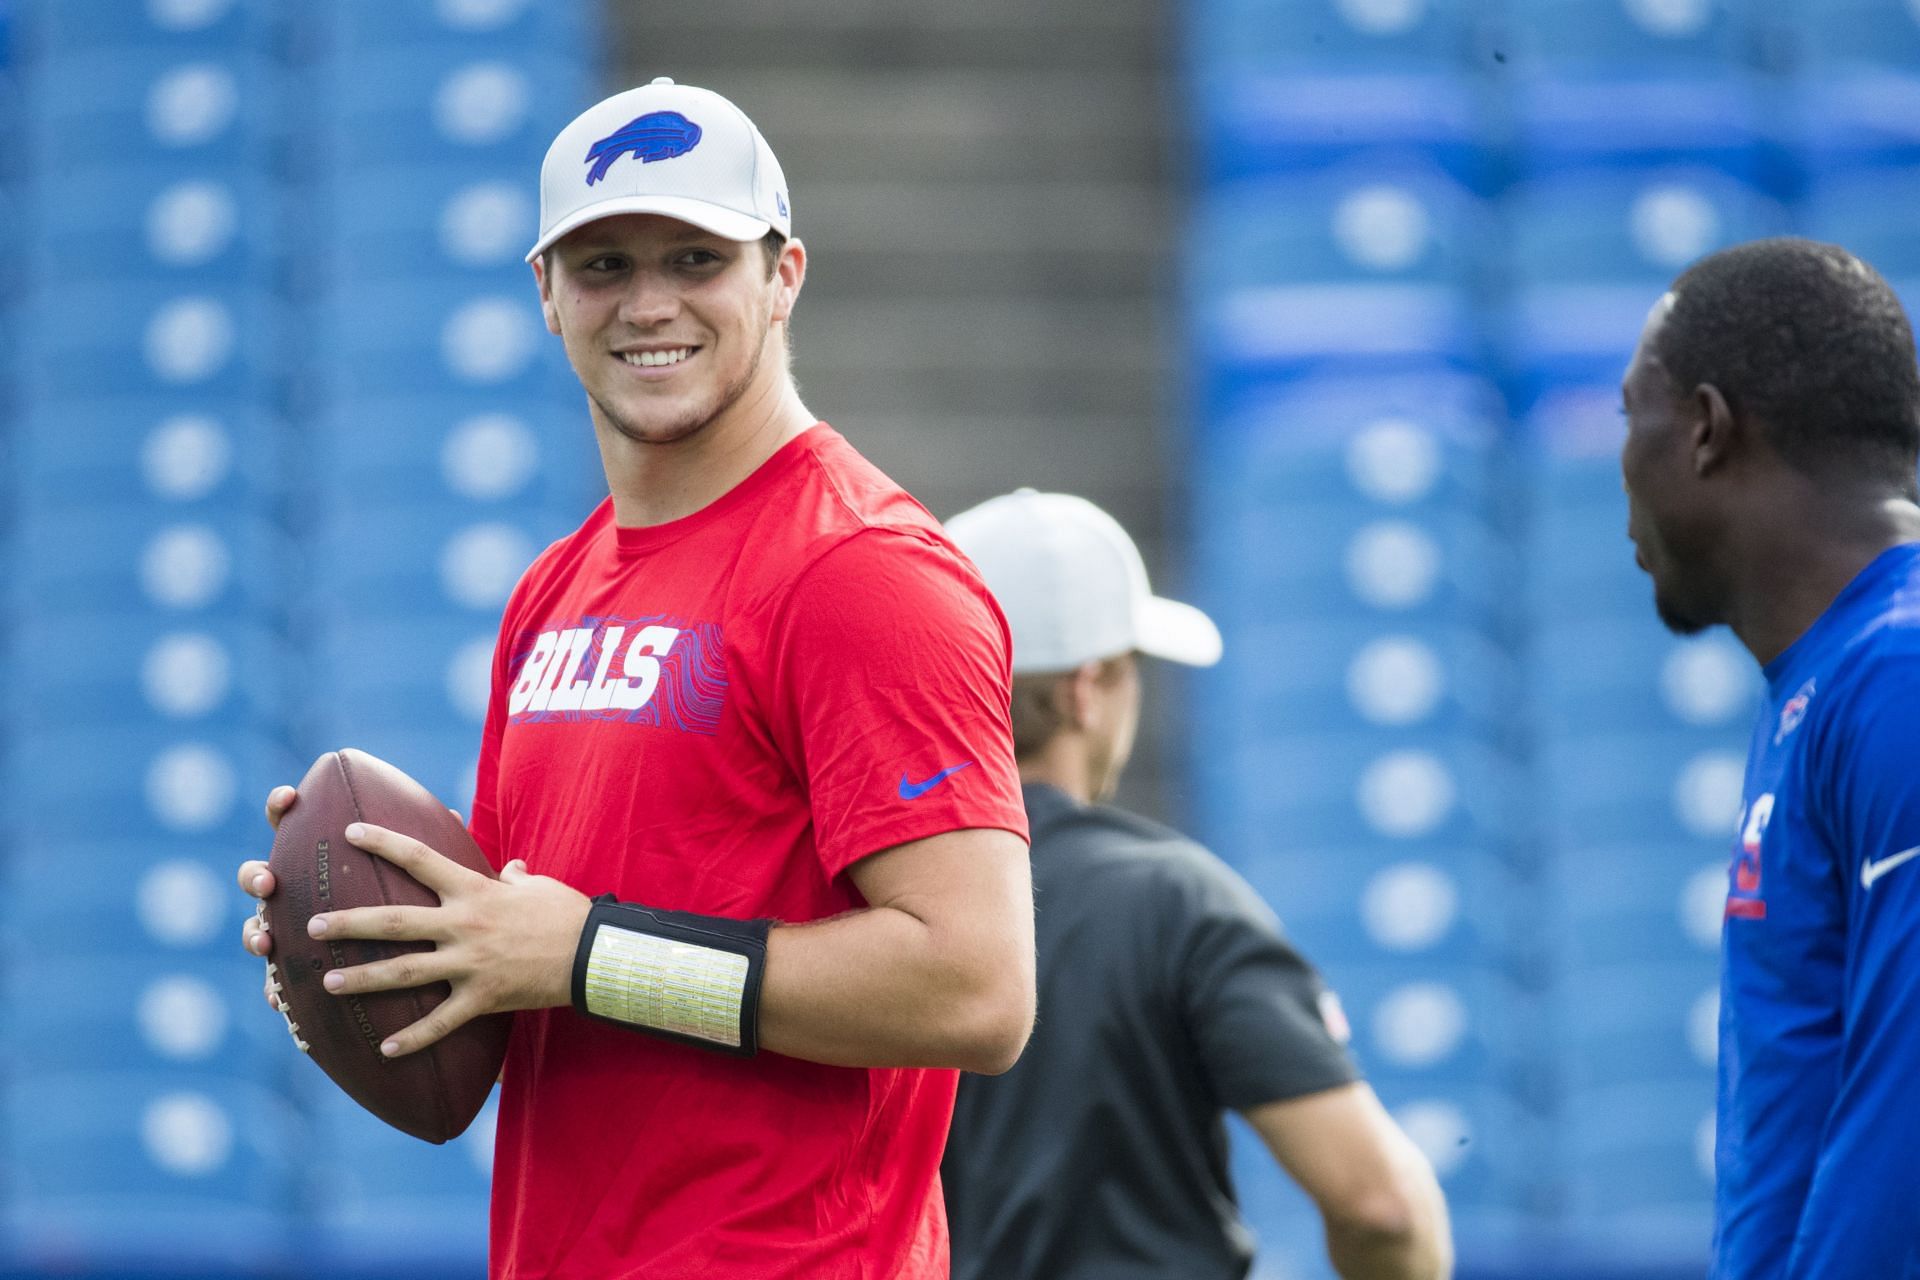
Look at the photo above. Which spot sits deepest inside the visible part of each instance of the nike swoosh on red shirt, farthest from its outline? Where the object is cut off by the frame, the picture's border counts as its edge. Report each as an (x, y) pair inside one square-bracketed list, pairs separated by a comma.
[(910, 790)]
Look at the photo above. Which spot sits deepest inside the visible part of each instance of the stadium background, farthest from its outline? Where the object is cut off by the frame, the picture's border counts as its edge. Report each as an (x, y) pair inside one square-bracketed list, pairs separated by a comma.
[(1326, 299)]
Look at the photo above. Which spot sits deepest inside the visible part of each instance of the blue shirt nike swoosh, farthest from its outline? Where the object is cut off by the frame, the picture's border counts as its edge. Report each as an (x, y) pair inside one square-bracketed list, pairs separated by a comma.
[(914, 790)]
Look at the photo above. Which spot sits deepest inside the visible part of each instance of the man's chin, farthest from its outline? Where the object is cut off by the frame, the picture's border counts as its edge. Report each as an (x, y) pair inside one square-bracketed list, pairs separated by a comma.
[(1677, 620), (655, 428)]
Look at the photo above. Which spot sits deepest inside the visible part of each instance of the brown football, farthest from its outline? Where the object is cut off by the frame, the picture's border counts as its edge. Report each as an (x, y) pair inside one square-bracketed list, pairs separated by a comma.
[(433, 1093)]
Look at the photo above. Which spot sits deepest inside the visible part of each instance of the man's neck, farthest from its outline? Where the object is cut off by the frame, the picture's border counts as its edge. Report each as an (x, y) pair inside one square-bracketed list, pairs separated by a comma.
[(1787, 576), (653, 484), (1062, 764)]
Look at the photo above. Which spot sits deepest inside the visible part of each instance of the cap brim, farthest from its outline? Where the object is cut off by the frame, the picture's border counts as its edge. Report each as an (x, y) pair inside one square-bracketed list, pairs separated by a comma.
[(1176, 632), (729, 224)]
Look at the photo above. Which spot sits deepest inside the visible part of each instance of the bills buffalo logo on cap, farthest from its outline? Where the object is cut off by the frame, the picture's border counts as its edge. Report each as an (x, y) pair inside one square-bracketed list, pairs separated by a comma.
[(658, 135)]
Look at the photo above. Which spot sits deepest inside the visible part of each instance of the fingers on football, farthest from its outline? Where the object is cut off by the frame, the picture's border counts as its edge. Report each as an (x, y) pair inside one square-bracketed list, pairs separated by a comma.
[(255, 937), (381, 924), (279, 800), (447, 1017), (415, 969), (255, 878), (431, 868)]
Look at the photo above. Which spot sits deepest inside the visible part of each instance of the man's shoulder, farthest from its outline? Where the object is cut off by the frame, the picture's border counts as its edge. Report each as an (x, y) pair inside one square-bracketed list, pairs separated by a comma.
[(852, 496), (1114, 837)]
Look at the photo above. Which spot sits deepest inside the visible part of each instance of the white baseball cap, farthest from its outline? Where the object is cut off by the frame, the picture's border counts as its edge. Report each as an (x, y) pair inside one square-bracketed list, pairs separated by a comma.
[(1073, 586), (663, 148)]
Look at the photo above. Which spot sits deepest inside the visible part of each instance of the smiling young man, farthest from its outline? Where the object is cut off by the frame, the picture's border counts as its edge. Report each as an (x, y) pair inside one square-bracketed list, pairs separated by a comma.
[(758, 706), (1773, 430)]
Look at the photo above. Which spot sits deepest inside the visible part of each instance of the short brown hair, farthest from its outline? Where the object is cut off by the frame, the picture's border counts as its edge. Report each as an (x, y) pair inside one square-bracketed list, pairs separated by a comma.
[(1037, 715)]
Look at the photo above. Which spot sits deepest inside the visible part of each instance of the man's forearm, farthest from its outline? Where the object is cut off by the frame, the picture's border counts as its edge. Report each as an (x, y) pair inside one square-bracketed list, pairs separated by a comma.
[(880, 987), (1419, 1247)]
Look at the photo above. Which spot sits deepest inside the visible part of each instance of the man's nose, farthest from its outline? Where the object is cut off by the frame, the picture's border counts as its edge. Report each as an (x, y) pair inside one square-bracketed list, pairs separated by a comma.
[(650, 300)]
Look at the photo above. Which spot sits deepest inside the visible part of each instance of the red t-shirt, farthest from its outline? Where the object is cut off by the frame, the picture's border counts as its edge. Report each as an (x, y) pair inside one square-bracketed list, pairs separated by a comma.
[(723, 714)]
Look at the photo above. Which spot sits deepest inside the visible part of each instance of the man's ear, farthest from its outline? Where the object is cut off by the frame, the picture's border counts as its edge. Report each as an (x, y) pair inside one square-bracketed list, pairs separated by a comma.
[(544, 283), (1717, 435), (789, 274), (1081, 690)]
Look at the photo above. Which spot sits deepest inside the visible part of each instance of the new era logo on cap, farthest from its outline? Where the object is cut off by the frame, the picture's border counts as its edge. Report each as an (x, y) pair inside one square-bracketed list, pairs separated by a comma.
[(658, 135), (665, 149)]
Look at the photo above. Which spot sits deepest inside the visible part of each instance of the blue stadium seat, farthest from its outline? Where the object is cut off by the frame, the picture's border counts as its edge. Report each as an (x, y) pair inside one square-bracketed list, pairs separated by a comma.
[(76, 562), (404, 337), (219, 114), (436, 104), (450, 217), (1341, 790), (1856, 99), (1440, 1027), (1377, 903), (160, 221), (383, 1200), (1635, 902), (1594, 673), (134, 668), (1337, 674), (1424, 440), (509, 27), (1367, 260), (1638, 1168), (1303, 83), (172, 456), (1640, 226), (427, 561), (425, 672), (1571, 36), (1641, 1022), (1863, 211), (179, 896), (1661, 785), (1608, 81), (125, 782), (475, 449), (1841, 36), (51, 31), (191, 1171), (126, 1009), (1339, 559), (1715, 120), (213, 338)]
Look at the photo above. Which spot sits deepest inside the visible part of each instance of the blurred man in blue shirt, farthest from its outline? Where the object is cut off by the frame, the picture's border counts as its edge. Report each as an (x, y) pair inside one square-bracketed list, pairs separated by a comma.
[(1773, 431)]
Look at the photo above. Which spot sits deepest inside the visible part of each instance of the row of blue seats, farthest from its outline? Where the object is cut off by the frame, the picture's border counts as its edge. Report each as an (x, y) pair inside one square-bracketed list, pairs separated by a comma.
[(211, 1173), (466, 455), (161, 222), (58, 29), (369, 339), (1565, 37), (1778, 135), (1404, 222), (254, 114)]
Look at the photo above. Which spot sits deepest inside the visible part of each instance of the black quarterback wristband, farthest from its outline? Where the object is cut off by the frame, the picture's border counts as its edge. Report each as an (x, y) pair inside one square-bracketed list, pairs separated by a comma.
[(685, 977)]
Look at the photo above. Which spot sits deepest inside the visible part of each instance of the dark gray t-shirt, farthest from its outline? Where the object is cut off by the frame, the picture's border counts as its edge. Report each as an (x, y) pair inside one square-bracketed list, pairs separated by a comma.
[(1167, 996)]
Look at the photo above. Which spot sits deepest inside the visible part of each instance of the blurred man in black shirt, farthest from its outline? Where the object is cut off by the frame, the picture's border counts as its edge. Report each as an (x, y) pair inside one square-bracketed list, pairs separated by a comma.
[(1167, 993)]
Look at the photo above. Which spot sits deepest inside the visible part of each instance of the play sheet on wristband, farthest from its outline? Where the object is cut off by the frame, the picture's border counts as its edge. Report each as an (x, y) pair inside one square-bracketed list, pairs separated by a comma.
[(670, 986)]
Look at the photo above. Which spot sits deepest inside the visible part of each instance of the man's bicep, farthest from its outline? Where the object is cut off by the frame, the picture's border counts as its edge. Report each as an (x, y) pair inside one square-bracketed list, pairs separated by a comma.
[(1335, 1142), (977, 875)]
